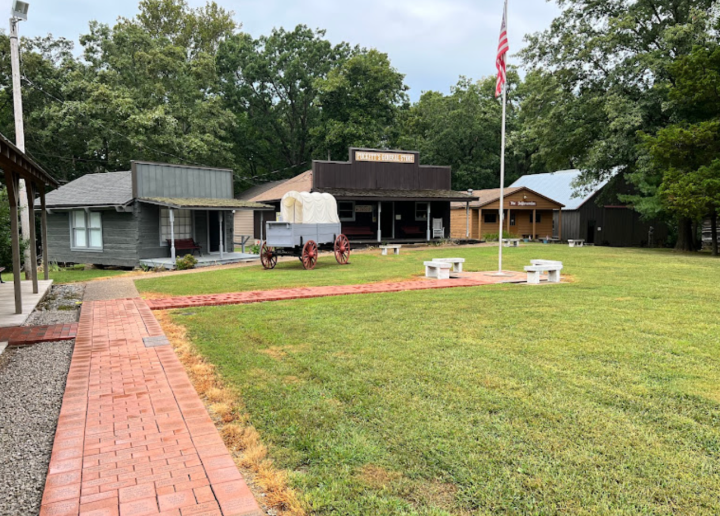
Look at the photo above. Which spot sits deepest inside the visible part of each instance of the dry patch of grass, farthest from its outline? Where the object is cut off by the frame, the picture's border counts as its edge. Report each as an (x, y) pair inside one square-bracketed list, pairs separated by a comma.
[(231, 418)]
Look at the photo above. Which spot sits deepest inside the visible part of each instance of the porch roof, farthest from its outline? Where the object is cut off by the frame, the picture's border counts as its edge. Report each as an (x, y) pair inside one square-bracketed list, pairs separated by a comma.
[(398, 195), (205, 204)]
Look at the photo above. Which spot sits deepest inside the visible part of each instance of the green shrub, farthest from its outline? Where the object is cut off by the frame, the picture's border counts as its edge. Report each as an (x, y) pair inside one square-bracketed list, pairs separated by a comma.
[(186, 262), (493, 237)]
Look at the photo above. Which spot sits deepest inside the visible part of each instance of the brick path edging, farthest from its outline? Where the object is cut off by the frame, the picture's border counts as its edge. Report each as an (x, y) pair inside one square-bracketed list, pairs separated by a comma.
[(27, 335), (133, 437), (261, 296)]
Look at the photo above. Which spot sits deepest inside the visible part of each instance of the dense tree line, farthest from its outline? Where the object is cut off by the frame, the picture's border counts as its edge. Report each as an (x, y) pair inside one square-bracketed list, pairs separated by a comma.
[(626, 86)]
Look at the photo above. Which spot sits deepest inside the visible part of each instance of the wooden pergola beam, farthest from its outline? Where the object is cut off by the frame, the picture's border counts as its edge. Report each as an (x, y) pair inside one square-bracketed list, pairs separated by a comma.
[(12, 186)]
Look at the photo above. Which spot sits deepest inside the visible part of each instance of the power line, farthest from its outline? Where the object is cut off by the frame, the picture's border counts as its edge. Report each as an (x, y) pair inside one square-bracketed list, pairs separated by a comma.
[(130, 139), (275, 171)]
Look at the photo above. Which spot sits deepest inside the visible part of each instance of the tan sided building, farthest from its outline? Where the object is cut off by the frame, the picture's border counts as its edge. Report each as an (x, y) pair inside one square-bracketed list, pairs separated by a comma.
[(527, 215)]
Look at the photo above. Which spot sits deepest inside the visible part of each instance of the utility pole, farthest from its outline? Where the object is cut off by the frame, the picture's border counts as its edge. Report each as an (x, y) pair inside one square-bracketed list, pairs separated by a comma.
[(19, 12)]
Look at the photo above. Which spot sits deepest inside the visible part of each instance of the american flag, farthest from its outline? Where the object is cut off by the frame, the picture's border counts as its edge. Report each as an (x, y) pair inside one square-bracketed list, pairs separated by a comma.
[(503, 48)]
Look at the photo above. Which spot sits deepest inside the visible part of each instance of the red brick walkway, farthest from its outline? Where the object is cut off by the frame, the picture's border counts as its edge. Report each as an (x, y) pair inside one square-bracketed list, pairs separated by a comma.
[(260, 296), (133, 437), (26, 335)]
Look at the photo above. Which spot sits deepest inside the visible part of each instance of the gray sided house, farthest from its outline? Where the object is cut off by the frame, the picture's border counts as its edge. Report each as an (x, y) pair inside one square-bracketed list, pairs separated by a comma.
[(127, 218)]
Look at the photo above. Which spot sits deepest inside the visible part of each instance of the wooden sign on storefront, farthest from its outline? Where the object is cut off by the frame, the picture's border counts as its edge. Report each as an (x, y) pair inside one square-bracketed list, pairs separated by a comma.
[(384, 157)]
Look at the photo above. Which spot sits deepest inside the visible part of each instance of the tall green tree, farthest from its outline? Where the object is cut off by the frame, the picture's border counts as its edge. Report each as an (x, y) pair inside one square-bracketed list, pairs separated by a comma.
[(145, 88), (686, 153), (360, 100), (606, 71), (463, 130), (271, 85)]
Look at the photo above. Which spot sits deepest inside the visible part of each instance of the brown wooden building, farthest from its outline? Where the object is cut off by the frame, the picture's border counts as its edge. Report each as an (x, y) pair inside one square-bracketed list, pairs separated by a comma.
[(527, 214), (382, 196)]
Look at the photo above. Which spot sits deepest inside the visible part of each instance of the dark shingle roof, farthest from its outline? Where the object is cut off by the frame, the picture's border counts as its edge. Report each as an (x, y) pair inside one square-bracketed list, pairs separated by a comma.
[(107, 189), (254, 191)]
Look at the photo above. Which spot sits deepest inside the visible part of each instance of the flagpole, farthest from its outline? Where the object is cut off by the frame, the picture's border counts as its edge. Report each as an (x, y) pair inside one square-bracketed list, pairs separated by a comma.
[(502, 180)]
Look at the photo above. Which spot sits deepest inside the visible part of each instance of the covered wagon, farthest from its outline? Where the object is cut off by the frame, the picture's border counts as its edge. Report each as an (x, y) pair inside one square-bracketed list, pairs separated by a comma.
[(308, 224)]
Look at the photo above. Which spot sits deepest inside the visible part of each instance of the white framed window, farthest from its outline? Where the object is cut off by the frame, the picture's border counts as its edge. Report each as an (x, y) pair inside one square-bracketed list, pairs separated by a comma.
[(346, 211), (421, 211), (182, 225), (86, 230)]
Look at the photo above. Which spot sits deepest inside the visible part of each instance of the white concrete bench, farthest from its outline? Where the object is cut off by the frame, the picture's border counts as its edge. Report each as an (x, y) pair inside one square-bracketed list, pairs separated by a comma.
[(457, 263), (511, 242), (538, 267), (386, 248), (576, 243), (437, 270)]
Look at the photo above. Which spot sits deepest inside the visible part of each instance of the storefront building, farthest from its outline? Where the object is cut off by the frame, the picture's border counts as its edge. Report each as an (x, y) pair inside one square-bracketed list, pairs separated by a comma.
[(382, 196), (528, 214)]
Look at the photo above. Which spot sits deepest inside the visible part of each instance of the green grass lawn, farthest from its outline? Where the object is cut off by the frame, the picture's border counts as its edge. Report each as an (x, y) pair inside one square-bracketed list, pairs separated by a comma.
[(72, 276), (599, 396), (369, 267)]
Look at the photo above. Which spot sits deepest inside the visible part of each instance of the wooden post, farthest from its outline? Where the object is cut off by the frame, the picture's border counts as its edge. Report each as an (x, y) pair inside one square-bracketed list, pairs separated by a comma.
[(12, 198), (379, 217), (560, 226), (480, 224), (171, 214), (30, 190), (534, 216), (43, 233), (508, 222), (467, 220), (429, 215), (221, 219)]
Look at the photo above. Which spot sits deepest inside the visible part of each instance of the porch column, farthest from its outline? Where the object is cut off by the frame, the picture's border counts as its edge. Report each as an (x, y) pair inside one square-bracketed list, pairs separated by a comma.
[(467, 220), (221, 219), (393, 221), (379, 219), (480, 224), (534, 221), (30, 192), (560, 226), (172, 234), (262, 225), (13, 199), (43, 233), (508, 221), (429, 215)]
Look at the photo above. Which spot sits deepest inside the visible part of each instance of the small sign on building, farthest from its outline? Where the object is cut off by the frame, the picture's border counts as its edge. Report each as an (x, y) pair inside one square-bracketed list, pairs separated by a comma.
[(384, 157)]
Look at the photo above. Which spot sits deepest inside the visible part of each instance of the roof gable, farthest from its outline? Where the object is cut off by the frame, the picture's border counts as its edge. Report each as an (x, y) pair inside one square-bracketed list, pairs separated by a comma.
[(301, 183), (105, 189), (561, 186)]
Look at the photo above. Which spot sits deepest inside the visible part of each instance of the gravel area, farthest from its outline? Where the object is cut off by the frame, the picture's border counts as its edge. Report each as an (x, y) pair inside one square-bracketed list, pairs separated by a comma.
[(119, 288), (32, 383)]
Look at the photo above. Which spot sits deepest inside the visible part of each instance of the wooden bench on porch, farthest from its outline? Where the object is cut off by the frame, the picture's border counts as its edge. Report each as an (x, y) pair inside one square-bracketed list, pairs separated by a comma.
[(358, 231), (412, 230), (186, 244)]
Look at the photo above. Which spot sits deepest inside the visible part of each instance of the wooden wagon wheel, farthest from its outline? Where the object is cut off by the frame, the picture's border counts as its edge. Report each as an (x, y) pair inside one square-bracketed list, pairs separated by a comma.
[(310, 255), (342, 249), (268, 257)]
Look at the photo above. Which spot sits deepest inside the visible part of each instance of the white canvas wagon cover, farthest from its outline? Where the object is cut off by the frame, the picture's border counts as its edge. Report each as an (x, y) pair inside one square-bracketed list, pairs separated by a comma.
[(309, 208)]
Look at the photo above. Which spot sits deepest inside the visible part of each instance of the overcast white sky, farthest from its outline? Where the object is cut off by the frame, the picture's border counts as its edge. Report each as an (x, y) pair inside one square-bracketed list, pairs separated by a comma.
[(433, 42)]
